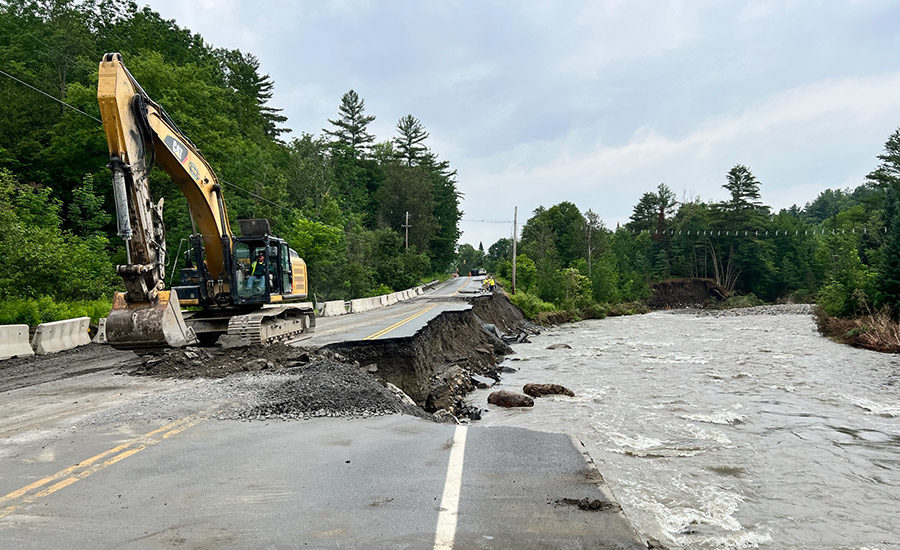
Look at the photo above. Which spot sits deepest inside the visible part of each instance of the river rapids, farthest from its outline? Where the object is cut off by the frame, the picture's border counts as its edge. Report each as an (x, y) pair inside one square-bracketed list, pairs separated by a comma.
[(741, 431)]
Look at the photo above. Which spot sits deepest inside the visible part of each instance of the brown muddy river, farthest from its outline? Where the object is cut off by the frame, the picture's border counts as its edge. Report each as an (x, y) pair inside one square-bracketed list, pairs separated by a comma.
[(747, 431)]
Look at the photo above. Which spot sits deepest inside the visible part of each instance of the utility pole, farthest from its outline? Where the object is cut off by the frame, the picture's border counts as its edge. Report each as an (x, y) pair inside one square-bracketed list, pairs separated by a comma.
[(407, 226), (515, 237)]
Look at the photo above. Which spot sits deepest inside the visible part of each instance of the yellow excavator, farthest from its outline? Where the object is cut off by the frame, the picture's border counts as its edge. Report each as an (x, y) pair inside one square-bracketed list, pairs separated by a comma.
[(250, 287)]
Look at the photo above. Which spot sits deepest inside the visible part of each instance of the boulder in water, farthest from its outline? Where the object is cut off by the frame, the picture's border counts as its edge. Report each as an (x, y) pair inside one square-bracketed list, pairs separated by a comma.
[(540, 390), (559, 346), (506, 398)]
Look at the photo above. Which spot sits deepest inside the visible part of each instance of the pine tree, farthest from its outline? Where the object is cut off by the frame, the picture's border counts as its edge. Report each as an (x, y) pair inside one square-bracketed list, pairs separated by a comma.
[(351, 129), (409, 141), (887, 176), (744, 189)]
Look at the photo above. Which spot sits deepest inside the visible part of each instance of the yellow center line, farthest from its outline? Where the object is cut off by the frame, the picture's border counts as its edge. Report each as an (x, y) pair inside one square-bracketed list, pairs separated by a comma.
[(87, 467), (461, 286), (384, 331)]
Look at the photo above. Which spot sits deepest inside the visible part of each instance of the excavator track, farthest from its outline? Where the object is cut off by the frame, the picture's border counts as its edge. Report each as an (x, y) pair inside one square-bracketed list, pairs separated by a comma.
[(271, 324)]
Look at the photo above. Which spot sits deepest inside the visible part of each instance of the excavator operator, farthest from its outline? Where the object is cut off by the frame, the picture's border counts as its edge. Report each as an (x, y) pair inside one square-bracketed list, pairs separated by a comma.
[(257, 277)]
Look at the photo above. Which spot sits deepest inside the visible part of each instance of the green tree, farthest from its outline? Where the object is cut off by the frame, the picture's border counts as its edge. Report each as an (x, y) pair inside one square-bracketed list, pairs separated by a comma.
[(351, 128), (887, 177), (408, 142), (468, 258), (526, 272), (498, 252), (86, 215)]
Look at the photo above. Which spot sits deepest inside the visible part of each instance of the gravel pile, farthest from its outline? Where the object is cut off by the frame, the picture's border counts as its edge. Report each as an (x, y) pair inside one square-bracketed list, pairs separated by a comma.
[(326, 388), (777, 309)]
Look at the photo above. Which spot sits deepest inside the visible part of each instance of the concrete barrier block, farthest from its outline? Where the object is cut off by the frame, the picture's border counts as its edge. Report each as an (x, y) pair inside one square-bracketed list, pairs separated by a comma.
[(333, 308), (419, 290), (392, 298), (61, 335), (383, 300), (364, 304), (100, 338), (14, 341), (401, 295)]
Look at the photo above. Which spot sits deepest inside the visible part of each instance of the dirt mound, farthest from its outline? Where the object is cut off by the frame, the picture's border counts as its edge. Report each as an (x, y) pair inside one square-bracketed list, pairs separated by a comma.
[(685, 293), (194, 362), (497, 310)]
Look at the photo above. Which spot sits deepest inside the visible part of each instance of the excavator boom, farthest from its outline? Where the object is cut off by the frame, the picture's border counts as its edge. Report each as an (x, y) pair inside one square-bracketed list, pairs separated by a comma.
[(139, 132)]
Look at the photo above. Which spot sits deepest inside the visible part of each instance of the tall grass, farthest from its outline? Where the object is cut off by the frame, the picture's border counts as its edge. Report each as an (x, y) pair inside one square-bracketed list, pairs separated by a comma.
[(32, 312), (874, 330)]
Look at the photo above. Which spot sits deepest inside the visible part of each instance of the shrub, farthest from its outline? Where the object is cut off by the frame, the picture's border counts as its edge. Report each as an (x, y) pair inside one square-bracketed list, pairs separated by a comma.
[(34, 311), (530, 304)]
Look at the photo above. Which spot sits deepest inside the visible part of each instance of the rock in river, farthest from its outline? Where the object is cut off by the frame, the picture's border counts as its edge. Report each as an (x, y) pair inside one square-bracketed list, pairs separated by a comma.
[(505, 398), (559, 346), (540, 390)]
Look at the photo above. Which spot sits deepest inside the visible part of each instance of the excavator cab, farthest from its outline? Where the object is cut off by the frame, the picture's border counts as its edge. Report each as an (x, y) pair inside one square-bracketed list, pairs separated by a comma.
[(252, 255), (263, 270)]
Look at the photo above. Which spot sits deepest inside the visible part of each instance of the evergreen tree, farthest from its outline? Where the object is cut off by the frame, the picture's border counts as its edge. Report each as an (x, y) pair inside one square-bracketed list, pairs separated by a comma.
[(409, 140), (351, 129), (887, 176), (744, 188)]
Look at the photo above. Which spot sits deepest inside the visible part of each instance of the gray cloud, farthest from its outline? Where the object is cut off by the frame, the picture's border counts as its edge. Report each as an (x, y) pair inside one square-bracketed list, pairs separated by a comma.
[(594, 102)]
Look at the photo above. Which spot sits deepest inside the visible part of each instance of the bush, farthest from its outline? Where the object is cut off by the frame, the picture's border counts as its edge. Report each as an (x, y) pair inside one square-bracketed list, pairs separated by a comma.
[(594, 311), (34, 311), (530, 304)]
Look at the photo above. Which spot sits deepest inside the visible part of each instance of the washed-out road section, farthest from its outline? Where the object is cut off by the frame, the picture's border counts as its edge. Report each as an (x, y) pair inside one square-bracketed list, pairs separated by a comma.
[(102, 460)]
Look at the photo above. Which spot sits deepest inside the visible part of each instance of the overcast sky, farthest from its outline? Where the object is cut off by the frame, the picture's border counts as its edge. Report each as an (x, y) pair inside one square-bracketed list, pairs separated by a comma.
[(594, 102)]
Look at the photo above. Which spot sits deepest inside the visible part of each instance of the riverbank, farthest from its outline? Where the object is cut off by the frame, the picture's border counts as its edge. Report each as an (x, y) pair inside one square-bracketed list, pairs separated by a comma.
[(875, 331)]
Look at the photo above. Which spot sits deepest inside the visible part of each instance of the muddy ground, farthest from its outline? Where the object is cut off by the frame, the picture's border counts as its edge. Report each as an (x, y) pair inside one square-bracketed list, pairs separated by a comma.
[(434, 369), (678, 293)]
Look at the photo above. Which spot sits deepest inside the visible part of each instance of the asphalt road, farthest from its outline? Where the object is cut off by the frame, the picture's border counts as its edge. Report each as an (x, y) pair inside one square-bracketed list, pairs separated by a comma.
[(102, 460), (328, 483), (400, 320)]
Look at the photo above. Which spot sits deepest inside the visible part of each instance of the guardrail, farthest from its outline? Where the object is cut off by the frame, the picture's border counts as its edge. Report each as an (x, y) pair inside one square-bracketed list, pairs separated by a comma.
[(360, 305), (334, 308)]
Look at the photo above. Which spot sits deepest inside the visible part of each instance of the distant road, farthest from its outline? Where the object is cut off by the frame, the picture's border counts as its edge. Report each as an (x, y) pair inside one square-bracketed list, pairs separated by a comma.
[(400, 320)]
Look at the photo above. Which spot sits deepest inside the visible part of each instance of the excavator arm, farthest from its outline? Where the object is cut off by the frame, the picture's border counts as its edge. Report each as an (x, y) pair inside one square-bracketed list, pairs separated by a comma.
[(140, 134)]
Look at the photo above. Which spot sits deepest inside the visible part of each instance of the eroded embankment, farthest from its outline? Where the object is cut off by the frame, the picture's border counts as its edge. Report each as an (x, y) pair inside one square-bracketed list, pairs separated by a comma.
[(435, 368)]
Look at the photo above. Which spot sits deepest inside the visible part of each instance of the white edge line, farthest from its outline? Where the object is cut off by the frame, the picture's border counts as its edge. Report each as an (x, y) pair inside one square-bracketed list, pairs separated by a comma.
[(445, 533)]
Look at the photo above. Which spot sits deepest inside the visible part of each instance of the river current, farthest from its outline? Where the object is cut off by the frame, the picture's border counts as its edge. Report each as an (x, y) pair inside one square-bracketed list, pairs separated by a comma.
[(737, 431)]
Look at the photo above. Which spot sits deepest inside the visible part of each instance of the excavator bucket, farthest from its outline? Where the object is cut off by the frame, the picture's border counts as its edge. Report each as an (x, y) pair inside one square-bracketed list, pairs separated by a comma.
[(147, 325)]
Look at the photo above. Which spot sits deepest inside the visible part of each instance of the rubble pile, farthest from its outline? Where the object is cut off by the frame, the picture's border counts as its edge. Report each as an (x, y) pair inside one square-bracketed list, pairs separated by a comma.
[(328, 388)]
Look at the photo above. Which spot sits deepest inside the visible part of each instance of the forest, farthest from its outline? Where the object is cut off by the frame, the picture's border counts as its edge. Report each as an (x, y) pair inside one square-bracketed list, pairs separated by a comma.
[(339, 196), (841, 249)]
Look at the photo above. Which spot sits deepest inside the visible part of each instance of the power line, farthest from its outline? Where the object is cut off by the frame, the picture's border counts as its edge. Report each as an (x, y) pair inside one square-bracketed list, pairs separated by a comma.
[(485, 221), (76, 109), (252, 194), (862, 230)]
